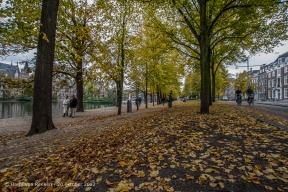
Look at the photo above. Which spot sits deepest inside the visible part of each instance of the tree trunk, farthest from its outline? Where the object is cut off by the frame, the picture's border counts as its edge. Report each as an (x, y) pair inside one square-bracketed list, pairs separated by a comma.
[(121, 91), (160, 97), (204, 61), (118, 94), (210, 93), (79, 85), (146, 99), (121, 76), (157, 97), (152, 96), (210, 87), (146, 87), (42, 98), (213, 86)]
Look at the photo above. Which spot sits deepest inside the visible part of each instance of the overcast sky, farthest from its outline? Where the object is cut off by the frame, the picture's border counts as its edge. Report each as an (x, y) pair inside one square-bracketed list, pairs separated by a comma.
[(17, 58), (258, 59)]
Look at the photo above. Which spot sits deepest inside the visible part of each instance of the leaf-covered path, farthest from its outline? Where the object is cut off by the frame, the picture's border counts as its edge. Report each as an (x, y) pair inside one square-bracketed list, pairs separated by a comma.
[(174, 149)]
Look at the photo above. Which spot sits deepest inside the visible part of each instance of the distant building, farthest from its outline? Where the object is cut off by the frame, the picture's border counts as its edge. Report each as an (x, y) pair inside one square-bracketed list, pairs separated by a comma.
[(262, 83), (13, 71), (277, 78), (271, 80), (9, 70)]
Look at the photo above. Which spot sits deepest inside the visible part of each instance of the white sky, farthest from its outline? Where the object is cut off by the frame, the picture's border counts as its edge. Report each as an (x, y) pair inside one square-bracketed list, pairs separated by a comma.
[(260, 59), (17, 58)]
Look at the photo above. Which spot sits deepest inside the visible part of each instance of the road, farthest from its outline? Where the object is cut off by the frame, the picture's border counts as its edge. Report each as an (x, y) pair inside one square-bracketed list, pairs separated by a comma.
[(269, 110), (272, 107)]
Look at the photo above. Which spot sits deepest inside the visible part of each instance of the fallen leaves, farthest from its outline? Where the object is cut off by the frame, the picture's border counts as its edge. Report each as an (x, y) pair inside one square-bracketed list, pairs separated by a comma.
[(213, 150)]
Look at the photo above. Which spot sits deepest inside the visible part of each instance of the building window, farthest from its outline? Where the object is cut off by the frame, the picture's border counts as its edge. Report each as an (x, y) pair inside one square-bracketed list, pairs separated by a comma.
[(286, 69), (269, 74), (285, 93), (273, 83), (269, 94), (278, 72)]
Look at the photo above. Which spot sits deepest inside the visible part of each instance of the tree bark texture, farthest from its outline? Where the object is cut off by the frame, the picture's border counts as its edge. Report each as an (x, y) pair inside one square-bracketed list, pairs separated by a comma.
[(121, 76), (204, 58), (79, 85), (42, 98), (213, 86), (118, 94)]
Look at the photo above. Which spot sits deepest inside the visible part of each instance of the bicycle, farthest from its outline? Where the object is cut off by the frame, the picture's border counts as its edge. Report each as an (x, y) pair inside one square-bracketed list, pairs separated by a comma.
[(250, 100), (238, 100)]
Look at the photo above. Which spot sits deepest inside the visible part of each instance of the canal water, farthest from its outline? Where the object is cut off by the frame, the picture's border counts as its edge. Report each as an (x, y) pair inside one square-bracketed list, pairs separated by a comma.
[(10, 109)]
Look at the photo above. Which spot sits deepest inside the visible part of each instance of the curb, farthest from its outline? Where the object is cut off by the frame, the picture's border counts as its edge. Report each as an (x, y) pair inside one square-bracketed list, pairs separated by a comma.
[(279, 126), (274, 104)]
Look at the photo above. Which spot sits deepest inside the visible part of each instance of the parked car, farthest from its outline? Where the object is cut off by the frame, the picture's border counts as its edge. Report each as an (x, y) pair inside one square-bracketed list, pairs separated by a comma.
[(224, 98)]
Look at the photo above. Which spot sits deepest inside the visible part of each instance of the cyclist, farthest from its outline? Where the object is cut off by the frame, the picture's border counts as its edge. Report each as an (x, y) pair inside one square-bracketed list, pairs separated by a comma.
[(250, 94)]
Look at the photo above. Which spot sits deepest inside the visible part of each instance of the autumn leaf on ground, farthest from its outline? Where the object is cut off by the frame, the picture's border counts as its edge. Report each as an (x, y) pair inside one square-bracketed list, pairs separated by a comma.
[(141, 174)]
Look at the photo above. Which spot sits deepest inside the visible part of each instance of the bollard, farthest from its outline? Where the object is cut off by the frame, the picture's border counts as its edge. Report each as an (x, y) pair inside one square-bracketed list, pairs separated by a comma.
[(129, 106)]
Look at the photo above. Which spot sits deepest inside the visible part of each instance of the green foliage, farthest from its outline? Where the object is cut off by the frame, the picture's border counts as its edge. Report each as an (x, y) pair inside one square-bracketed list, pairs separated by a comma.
[(242, 81), (19, 26)]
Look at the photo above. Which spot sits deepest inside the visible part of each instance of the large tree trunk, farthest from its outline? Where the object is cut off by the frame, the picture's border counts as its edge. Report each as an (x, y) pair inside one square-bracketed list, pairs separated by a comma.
[(121, 75), (118, 94), (42, 98), (79, 85), (204, 61), (210, 87)]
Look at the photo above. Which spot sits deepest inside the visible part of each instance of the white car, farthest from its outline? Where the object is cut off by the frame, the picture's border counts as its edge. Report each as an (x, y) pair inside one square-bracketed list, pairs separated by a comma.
[(224, 98)]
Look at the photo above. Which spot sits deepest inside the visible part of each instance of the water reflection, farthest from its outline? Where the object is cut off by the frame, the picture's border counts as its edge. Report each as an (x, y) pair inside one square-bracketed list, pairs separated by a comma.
[(19, 109)]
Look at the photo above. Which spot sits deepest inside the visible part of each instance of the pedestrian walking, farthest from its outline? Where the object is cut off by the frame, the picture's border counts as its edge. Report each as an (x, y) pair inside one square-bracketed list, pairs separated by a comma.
[(65, 106), (73, 106), (163, 101)]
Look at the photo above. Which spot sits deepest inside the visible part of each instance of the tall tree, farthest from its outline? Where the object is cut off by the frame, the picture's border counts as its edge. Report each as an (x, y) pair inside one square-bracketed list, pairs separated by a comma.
[(120, 28), (77, 38), (42, 100), (210, 22), (19, 30)]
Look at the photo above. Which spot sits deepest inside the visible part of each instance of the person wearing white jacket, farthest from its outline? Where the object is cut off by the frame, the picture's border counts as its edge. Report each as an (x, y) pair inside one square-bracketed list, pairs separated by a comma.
[(65, 106)]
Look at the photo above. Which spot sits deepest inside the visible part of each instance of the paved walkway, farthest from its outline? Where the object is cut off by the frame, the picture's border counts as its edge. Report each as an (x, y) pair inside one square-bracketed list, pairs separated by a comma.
[(20, 125), (276, 103)]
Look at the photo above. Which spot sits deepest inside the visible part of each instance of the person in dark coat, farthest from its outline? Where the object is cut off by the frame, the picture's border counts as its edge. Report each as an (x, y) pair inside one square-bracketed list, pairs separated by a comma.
[(238, 95), (72, 106), (250, 94)]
